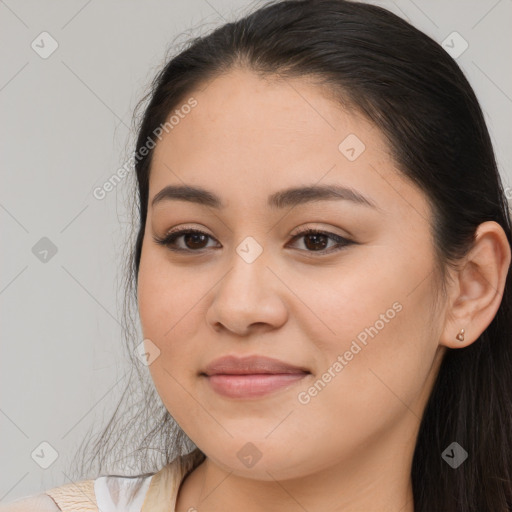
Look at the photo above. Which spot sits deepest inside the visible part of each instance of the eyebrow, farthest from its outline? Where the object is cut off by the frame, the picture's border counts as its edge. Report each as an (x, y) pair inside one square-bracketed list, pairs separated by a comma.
[(289, 197)]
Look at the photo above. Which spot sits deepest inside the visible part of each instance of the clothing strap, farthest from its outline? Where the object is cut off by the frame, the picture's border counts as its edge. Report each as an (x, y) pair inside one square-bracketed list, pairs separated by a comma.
[(163, 489), (75, 497)]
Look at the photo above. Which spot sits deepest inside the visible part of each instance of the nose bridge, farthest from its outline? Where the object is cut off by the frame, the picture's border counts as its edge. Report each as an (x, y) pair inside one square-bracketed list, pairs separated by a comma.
[(248, 266), (249, 250)]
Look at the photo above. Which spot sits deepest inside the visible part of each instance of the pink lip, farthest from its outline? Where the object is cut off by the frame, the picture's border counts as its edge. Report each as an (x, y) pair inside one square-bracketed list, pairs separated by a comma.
[(251, 376), (234, 365), (246, 386)]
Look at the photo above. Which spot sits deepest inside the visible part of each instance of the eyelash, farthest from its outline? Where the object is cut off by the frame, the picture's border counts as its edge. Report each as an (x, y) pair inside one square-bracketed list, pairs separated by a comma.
[(171, 237)]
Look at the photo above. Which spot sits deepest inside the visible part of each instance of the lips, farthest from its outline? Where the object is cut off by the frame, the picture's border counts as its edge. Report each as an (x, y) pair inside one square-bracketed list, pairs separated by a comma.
[(251, 365), (251, 376)]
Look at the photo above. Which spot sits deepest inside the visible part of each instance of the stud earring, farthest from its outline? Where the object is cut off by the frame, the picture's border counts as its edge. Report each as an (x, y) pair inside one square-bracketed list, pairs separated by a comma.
[(460, 336)]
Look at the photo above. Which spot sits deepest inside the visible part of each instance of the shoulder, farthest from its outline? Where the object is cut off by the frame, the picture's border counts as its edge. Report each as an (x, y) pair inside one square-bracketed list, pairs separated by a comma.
[(75, 496), (115, 493), (72, 497), (37, 503)]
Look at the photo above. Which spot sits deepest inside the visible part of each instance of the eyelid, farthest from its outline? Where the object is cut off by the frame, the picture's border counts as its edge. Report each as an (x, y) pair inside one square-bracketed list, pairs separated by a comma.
[(303, 229), (186, 227), (317, 228)]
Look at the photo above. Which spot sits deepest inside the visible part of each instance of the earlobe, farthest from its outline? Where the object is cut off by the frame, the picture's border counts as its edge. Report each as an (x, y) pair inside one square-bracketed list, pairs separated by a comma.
[(478, 287)]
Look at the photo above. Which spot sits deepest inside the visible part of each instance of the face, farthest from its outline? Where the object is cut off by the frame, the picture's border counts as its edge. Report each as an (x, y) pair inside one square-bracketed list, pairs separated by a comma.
[(350, 303)]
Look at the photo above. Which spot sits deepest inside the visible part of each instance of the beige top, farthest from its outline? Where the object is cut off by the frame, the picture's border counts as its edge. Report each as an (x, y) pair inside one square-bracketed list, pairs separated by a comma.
[(156, 493)]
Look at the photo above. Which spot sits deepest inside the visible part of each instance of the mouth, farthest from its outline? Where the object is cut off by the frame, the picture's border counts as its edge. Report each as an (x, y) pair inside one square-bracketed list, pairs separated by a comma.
[(252, 385), (251, 376)]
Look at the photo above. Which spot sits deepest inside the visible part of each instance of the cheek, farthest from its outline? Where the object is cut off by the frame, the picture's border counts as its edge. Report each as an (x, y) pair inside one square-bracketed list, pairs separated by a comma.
[(168, 297), (339, 305), (171, 310), (375, 343)]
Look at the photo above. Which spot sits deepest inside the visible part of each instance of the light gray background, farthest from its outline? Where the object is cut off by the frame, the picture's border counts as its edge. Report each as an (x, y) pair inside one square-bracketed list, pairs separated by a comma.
[(65, 130)]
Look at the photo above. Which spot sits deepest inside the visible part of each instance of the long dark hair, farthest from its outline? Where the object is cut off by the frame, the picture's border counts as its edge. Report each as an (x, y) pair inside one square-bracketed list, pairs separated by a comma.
[(414, 92)]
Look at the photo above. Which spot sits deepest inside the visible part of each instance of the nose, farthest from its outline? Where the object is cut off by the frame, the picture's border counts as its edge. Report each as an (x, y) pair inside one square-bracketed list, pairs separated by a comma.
[(248, 297)]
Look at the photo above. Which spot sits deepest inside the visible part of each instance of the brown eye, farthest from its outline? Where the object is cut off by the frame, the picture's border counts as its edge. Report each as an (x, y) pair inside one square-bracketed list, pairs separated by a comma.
[(317, 241), (193, 239)]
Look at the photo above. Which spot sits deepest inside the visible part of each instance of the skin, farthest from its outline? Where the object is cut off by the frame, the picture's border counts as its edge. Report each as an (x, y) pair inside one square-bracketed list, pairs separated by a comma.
[(351, 446)]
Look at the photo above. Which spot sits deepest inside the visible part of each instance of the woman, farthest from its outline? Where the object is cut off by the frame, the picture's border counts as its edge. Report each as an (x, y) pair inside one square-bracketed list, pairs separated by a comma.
[(322, 275)]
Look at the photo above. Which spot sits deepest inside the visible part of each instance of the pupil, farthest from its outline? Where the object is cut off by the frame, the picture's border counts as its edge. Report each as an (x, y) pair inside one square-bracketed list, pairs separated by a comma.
[(197, 235), (315, 238)]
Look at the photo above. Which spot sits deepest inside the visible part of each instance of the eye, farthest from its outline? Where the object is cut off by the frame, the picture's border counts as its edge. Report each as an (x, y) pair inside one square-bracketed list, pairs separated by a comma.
[(195, 240), (315, 239), (194, 237)]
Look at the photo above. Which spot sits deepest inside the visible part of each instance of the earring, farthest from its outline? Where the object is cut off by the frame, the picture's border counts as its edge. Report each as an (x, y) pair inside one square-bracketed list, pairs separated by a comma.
[(460, 336)]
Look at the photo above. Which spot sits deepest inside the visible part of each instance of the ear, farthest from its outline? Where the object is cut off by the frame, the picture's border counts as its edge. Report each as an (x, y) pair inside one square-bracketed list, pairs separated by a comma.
[(477, 289)]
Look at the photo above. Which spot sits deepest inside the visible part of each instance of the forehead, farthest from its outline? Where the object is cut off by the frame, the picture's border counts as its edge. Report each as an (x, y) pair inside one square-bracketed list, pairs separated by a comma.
[(267, 119), (247, 137)]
